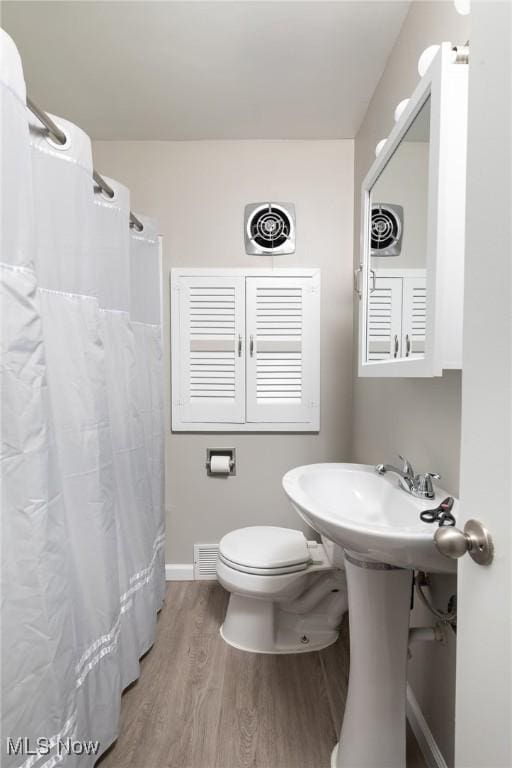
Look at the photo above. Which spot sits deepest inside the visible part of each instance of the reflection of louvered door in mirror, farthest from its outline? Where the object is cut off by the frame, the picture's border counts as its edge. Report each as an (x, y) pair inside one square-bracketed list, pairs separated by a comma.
[(384, 328), (414, 316), (282, 349), (211, 333)]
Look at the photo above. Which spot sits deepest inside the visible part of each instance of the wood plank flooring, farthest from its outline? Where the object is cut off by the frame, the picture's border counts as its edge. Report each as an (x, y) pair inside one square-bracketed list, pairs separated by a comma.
[(201, 704)]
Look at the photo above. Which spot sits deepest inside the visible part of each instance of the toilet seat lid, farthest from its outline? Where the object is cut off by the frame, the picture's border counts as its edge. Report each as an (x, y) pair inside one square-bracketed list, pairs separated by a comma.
[(265, 547)]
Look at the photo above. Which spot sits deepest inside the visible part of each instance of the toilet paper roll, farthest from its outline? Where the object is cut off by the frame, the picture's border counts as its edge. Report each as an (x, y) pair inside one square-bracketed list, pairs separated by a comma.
[(219, 465)]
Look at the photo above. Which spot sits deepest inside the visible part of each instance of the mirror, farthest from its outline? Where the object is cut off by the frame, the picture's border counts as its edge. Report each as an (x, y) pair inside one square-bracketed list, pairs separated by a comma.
[(410, 279), (397, 265)]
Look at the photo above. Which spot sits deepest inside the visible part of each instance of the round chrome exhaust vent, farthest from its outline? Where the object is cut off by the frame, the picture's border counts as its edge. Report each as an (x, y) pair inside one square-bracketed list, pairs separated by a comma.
[(386, 229), (269, 228)]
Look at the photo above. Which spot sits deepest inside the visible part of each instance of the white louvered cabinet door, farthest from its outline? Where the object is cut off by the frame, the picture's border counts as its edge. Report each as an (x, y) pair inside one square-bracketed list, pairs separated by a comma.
[(384, 329), (414, 316), (211, 333), (283, 340)]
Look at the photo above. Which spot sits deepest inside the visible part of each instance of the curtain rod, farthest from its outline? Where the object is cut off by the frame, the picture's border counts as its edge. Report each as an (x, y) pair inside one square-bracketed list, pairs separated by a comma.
[(61, 137)]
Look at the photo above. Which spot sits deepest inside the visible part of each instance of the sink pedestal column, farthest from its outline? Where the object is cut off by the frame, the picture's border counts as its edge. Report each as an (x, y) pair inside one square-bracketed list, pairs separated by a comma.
[(373, 730)]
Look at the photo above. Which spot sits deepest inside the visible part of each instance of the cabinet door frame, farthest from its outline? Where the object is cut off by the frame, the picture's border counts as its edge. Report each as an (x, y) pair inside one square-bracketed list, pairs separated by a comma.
[(186, 413), (177, 423), (445, 83), (305, 413), (410, 285), (394, 283)]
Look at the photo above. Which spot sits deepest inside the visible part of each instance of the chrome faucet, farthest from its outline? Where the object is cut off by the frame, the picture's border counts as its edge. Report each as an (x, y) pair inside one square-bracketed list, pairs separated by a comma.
[(417, 485)]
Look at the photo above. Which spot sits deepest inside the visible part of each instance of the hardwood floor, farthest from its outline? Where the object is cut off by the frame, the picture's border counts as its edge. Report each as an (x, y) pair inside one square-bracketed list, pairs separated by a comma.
[(201, 704)]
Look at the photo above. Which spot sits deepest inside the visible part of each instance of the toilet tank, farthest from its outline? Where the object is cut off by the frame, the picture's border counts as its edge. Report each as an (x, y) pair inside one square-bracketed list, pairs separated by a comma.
[(334, 553)]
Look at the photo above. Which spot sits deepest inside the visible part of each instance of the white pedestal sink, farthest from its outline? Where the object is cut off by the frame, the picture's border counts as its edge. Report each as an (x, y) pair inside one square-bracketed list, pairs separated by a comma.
[(378, 525)]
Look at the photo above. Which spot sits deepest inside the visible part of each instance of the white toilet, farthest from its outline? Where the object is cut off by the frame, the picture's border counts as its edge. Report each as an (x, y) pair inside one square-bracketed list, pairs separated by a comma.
[(288, 595)]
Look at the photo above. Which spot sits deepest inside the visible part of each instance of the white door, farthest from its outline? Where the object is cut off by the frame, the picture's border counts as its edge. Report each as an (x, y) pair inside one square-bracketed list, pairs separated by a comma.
[(282, 326), (483, 729), (384, 330), (414, 316), (211, 340)]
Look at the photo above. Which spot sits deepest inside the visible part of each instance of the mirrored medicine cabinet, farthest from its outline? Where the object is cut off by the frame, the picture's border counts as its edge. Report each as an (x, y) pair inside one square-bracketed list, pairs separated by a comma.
[(411, 276)]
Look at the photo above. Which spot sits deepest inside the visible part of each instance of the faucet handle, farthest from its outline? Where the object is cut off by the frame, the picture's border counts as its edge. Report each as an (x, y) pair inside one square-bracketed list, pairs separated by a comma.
[(423, 486), (407, 468)]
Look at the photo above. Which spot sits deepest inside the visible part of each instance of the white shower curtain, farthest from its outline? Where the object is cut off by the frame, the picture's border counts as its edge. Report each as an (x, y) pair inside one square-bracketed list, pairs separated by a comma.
[(82, 441)]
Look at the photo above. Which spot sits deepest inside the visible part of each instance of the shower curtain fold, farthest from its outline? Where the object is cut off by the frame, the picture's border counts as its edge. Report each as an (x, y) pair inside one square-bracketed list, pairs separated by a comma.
[(82, 460), (38, 636), (145, 313), (140, 543)]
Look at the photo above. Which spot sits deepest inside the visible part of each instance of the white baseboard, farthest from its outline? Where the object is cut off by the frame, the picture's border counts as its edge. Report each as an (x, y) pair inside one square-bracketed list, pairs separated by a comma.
[(179, 572), (427, 743)]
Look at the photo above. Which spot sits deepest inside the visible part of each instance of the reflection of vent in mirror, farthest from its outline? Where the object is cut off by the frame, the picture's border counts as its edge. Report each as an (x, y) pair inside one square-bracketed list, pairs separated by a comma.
[(386, 229), (269, 228)]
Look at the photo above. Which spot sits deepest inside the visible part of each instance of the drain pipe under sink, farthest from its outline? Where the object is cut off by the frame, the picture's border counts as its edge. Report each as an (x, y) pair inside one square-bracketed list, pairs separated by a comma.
[(422, 634)]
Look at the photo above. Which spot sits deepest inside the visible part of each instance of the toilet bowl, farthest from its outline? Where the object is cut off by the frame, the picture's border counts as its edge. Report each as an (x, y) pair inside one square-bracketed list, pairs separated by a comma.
[(288, 595)]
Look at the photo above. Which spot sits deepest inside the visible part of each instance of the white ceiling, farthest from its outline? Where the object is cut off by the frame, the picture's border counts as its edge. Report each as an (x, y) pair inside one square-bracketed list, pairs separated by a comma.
[(205, 70)]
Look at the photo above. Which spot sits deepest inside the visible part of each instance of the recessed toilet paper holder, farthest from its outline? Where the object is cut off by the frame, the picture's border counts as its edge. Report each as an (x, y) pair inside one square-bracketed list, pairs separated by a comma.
[(229, 452)]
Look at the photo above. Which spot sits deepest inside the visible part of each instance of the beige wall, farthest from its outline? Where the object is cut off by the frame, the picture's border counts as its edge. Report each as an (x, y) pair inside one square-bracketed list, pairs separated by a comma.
[(418, 418), (404, 182), (197, 191)]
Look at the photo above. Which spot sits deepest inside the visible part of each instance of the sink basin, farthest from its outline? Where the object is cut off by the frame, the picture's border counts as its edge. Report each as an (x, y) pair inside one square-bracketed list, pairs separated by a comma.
[(378, 526), (368, 513)]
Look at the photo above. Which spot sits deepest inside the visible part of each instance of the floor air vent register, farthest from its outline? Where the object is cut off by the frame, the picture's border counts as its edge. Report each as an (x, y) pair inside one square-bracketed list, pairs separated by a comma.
[(205, 561)]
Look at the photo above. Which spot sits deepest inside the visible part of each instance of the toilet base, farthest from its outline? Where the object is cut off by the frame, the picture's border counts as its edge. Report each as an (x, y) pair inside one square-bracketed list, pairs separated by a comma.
[(261, 626), (288, 644)]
